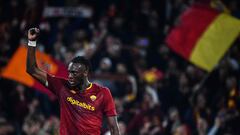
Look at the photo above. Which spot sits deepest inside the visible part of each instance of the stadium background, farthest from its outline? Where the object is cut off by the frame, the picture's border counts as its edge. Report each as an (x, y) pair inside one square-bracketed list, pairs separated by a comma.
[(156, 91)]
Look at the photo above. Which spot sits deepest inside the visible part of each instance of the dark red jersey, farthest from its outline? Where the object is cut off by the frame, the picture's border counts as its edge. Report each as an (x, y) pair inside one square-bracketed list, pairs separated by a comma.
[(81, 112)]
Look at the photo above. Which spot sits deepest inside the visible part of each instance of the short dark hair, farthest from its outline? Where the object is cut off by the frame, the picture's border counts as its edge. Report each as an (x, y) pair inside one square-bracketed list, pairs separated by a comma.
[(82, 60)]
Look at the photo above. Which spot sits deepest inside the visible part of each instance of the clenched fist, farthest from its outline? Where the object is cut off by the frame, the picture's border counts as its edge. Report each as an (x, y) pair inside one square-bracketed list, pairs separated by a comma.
[(33, 34)]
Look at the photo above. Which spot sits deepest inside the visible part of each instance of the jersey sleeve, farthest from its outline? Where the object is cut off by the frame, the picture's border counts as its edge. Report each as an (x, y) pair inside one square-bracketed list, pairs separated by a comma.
[(54, 84), (108, 104)]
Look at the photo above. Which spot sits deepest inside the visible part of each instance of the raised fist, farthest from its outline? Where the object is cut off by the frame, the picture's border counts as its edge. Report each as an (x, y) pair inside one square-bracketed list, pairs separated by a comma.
[(33, 34)]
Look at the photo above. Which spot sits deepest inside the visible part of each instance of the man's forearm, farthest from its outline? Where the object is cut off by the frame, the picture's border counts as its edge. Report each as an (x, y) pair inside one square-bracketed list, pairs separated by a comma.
[(31, 60), (113, 125), (32, 67), (114, 131)]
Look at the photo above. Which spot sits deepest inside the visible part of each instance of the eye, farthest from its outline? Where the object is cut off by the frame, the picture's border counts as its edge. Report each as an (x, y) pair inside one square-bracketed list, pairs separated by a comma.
[(73, 73)]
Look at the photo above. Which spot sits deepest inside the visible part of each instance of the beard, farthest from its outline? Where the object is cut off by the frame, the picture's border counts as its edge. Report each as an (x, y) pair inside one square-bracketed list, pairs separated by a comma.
[(76, 83)]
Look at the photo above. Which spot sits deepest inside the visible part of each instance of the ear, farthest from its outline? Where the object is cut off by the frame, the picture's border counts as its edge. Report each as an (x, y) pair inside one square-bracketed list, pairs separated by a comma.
[(85, 73)]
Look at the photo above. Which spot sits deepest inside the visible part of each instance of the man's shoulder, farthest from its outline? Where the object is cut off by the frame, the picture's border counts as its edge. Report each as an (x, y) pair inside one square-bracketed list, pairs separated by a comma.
[(100, 87)]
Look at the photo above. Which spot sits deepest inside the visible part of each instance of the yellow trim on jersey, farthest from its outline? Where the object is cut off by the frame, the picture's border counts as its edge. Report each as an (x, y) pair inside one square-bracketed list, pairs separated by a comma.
[(89, 87)]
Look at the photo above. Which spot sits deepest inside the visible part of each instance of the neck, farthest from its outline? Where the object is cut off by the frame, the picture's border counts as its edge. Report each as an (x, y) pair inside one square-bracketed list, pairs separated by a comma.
[(85, 85)]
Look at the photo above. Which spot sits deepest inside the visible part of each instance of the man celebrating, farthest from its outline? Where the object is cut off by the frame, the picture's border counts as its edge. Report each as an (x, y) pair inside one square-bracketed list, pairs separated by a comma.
[(82, 103)]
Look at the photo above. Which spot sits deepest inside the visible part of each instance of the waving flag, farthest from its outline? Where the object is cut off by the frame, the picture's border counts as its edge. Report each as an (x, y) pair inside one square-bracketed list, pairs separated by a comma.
[(16, 69), (203, 35)]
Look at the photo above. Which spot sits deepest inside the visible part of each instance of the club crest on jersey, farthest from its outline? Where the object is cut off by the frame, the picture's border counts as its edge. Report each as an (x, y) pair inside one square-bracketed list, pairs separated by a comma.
[(93, 97)]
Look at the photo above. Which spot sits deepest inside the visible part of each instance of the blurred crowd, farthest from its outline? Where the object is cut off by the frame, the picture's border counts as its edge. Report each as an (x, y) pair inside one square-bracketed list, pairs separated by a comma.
[(156, 92)]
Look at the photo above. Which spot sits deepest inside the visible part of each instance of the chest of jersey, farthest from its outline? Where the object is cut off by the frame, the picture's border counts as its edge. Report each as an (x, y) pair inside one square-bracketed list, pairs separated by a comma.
[(82, 102)]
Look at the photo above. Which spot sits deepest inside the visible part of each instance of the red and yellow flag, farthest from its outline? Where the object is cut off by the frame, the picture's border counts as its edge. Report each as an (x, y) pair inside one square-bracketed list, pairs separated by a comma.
[(203, 35), (16, 69)]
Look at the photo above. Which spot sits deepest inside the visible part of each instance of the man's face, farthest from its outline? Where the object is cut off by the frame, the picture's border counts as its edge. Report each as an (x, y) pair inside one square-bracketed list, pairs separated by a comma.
[(76, 74)]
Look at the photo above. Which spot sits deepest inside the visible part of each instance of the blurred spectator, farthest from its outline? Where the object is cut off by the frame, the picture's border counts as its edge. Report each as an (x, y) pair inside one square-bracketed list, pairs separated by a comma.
[(5, 127)]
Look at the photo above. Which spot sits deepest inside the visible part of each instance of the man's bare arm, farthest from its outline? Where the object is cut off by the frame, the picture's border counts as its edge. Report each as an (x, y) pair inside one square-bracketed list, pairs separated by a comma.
[(31, 66), (113, 125)]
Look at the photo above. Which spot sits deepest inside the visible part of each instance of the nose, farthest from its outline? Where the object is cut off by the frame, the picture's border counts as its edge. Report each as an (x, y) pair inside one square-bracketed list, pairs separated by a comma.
[(70, 76)]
